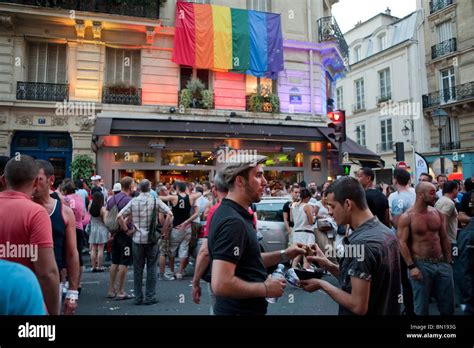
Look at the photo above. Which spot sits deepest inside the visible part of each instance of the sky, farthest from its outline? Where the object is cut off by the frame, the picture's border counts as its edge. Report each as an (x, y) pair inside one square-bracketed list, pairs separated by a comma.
[(349, 12)]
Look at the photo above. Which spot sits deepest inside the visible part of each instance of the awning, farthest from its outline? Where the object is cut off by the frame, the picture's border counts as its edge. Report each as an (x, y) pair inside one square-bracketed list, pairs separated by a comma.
[(157, 128), (357, 153)]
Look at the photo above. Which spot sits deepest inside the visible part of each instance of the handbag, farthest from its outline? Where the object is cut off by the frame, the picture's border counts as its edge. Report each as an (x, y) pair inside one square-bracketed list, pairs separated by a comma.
[(324, 225), (153, 231)]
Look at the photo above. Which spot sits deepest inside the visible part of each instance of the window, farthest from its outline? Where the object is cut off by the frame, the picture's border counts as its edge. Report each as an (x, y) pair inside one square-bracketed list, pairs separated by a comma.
[(123, 67), (357, 51), (444, 31), (46, 62), (360, 97), (386, 134), (360, 134), (384, 84), (252, 83), (188, 73), (340, 98), (382, 41), (450, 134), (259, 5), (134, 157), (448, 82)]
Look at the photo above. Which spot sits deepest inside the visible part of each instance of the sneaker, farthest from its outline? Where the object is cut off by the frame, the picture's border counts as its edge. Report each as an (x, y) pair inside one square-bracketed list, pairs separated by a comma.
[(169, 276), (179, 276)]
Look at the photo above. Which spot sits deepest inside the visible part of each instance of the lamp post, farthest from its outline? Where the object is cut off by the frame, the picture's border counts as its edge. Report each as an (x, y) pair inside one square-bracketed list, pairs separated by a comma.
[(440, 117)]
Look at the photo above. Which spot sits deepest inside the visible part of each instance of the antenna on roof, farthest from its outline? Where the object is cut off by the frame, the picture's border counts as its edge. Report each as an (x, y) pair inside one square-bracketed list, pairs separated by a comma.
[(388, 11)]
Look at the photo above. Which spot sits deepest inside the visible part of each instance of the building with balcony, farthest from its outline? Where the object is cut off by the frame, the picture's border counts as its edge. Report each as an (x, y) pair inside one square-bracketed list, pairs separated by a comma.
[(89, 77), (449, 38), (382, 91)]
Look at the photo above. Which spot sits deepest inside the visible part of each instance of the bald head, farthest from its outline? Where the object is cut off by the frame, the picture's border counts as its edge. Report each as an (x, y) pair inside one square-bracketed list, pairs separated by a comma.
[(424, 186)]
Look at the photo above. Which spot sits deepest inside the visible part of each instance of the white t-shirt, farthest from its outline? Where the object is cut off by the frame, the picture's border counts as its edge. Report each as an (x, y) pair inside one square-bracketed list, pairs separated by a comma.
[(447, 207), (201, 203)]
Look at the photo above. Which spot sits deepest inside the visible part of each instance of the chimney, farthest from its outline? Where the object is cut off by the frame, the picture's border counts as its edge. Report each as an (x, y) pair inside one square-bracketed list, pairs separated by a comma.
[(388, 11)]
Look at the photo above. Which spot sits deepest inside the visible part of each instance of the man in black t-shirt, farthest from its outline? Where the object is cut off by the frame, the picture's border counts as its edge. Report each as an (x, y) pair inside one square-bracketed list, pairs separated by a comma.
[(369, 270), (239, 278), (378, 203)]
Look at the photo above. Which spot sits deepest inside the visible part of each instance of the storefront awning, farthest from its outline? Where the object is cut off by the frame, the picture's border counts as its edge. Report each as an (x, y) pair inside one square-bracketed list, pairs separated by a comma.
[(157, 128), (357, 153)]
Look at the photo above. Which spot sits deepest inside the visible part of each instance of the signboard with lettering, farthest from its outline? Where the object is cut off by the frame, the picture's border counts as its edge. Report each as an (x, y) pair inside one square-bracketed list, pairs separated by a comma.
[(42, 121), (295, 96)]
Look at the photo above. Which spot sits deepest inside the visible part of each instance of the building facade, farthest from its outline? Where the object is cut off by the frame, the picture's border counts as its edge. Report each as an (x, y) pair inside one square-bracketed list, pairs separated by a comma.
[(97, 79), (449, 55), (382, 92)]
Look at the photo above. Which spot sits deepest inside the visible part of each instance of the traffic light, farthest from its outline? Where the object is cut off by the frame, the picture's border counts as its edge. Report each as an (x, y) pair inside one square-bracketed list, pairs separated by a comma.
[(346, 169), (338, 123), (399, 152)]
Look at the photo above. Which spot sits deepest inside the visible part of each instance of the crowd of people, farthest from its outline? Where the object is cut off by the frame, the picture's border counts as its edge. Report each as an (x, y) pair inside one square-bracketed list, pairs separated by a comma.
[(413, 242)]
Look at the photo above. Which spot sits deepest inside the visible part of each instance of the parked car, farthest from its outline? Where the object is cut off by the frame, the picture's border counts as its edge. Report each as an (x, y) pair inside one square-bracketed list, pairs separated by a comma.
[(271, 230)]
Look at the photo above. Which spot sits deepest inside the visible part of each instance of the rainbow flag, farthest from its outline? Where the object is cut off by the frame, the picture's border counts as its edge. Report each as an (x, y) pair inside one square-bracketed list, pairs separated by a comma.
[(226, 39)]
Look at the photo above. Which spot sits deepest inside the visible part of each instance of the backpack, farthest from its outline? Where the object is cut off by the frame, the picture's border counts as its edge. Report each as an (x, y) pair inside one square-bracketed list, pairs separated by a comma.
[(111, 221)]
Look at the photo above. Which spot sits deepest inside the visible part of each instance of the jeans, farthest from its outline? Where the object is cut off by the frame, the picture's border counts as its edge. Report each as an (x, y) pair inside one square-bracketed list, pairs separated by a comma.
[(438, 281), (142, 253)]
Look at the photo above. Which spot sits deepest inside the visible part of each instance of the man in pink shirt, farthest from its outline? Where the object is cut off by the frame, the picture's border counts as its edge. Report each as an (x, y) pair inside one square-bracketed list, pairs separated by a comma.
[(25, 231)]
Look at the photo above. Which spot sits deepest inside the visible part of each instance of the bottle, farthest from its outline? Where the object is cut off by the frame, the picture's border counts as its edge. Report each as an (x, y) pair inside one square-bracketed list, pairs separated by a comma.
[(277, 274)]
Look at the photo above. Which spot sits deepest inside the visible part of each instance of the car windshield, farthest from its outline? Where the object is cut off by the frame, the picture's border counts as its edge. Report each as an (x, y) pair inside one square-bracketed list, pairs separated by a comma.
[(270, 211)]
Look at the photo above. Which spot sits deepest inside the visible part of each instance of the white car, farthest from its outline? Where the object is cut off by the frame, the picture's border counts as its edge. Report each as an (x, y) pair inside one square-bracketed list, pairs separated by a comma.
[(271, 230)]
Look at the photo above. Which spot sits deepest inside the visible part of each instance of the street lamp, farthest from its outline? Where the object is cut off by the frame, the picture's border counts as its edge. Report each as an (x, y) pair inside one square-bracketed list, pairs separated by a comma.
[(440, 117), (406, 130)]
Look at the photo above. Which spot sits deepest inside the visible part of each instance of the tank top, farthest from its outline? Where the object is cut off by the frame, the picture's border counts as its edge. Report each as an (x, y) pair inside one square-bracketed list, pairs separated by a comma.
[(59, 234), (182, 210), (301, 219)]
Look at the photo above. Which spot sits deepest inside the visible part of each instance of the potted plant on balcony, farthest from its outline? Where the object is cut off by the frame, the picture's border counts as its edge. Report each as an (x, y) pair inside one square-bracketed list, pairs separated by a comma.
[(122, 88), (262, 100), (196, 96)]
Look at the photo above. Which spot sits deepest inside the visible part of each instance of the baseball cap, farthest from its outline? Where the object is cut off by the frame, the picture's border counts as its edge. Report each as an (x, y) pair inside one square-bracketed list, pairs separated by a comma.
[(239, 163), (96, 177), (117, 187)]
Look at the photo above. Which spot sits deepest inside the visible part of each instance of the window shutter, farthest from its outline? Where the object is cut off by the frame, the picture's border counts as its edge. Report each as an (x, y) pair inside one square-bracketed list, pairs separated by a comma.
[(32, 61), (52, 62), (62, 65), (42, 56), (136, 68), (110, 66)]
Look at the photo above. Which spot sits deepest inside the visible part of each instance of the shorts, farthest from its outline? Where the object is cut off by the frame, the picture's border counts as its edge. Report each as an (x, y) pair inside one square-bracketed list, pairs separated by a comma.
[(122, 249), (80, 241), (164, 245), (179, 241), (306, 238)]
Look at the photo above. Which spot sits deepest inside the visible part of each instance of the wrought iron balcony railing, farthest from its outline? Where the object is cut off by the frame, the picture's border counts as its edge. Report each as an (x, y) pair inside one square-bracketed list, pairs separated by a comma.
[(39, 91), (384, 98), (358, 107), (449, 95), (122, 95), (443, 48), (455, 145), (385, 147), (136, 8), (329, 31), (437, 5)]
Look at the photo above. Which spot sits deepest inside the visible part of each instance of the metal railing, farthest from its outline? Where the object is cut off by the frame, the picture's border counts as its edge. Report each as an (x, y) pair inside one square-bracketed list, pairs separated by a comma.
[(385, 147), (449, 95), (437, 5), (443, 48), (451, 146), (124, 96), (329, 31), (40, 91), (135, 8), (358, 107)]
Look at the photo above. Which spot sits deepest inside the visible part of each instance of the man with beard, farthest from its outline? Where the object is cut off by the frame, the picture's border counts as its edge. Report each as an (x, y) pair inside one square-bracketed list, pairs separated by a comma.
[(239, 278), (425, 246)]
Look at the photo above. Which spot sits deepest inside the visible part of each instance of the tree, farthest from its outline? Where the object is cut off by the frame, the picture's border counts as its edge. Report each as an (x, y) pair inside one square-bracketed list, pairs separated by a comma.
[(82, 167)]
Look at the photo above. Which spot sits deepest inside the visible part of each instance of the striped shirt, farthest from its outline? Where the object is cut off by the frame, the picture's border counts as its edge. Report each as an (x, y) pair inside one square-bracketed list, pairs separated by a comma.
[(141, 209)]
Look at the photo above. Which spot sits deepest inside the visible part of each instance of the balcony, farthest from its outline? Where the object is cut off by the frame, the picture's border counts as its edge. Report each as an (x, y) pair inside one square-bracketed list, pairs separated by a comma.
[(384, 98), (329, 31), (135, 8), (449, 95), (385, 147), (55, 92), (443, 48), (358, 107), (122, 95), (455, 145), (437, 5)]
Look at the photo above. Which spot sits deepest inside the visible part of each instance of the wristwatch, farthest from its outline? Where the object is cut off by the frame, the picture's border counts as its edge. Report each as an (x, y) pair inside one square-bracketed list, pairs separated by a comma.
[(411, 266), (283, 257)]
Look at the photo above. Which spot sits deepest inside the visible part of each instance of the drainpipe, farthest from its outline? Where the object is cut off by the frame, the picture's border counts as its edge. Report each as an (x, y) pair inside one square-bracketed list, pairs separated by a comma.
[(311, 63)]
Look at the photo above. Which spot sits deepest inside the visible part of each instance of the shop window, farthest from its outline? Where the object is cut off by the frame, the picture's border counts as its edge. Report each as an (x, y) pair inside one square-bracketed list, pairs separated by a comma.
[(134, 157), (187, 158)]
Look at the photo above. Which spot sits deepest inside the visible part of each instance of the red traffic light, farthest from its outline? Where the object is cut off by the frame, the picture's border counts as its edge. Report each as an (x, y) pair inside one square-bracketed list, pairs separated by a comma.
[(335, 116)]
